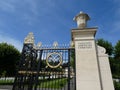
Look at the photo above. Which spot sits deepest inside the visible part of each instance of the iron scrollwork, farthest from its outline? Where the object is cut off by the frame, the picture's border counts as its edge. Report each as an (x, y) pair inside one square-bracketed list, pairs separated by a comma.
[(30, 57)]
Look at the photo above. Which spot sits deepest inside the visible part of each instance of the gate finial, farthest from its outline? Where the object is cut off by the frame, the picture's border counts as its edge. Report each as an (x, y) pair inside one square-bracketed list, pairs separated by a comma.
[(55, 44), (39, 44), (29, 39)]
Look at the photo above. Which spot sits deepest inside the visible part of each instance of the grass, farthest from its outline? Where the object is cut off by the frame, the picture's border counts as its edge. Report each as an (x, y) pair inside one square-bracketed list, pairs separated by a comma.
[(55, 83), (52, 83), (6, 82)]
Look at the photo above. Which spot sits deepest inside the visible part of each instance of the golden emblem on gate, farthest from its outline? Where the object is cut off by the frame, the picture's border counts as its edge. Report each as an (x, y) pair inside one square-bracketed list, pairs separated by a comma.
[(54, 60)]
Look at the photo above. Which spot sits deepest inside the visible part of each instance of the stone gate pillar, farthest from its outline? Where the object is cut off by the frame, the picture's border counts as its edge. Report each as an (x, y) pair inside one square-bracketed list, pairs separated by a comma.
[(88, 75)]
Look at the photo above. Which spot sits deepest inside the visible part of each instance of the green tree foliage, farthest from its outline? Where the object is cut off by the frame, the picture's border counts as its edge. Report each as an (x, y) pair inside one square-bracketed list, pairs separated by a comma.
[(115, 67), (9, 56), (107, 45), (116, 62), (117, 85), (117, 50)]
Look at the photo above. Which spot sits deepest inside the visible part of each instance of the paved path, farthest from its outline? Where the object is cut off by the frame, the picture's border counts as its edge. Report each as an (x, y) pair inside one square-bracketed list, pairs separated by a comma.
[(5, 87)]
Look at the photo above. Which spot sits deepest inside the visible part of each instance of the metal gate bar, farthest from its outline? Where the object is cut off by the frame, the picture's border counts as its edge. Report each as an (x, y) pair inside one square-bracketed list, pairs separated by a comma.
[(45, 69)]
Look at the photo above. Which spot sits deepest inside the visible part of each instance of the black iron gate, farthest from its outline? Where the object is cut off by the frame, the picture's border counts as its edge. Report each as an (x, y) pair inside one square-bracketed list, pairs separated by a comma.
[(46, 69)]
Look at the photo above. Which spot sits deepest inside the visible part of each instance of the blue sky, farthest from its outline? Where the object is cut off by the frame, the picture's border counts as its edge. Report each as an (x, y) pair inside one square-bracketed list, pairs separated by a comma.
[(52, 20)]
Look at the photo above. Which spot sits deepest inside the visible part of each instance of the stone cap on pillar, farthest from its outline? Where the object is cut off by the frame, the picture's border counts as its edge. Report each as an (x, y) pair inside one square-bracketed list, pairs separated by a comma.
[(81, 19)]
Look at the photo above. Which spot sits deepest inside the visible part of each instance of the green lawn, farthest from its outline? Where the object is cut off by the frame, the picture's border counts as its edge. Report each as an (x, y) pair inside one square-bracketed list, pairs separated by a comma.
[(55, 83), (52, 83), (6, 82)]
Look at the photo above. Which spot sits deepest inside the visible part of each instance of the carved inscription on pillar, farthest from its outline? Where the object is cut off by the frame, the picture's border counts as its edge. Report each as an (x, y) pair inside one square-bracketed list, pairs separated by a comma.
[(84, 45)]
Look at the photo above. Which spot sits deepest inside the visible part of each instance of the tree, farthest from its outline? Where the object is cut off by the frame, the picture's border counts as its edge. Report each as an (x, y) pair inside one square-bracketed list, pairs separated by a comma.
[(117, 60), (114, 64), (107, 45), (117, 85), (117, 50), (9, 56)]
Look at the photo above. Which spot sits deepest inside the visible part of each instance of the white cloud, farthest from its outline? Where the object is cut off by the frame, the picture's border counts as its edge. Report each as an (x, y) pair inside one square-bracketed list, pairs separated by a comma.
[(12, 41)]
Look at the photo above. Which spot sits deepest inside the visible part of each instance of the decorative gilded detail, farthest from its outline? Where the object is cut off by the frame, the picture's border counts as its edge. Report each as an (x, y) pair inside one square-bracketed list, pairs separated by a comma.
[(72, 44), (39, 44), (55, 44), (54, 60), (29, 39)]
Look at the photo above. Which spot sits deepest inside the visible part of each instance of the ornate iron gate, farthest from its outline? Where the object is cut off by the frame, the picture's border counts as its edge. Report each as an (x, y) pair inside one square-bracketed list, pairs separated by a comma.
[(46, 68)]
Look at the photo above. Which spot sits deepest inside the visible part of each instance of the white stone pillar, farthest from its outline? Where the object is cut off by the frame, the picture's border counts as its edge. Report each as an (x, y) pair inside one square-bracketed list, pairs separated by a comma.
[(106, 76), (92, 65), (87, 70)]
